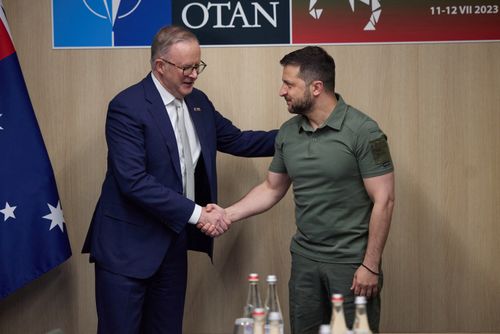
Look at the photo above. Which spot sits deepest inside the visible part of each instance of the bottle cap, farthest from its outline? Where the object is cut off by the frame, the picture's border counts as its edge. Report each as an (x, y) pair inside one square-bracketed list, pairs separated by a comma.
[(337, 297), (274, 316), (360, 300), (253, 277), (272, 279), (324, 329), (258, 311), (243, 321)]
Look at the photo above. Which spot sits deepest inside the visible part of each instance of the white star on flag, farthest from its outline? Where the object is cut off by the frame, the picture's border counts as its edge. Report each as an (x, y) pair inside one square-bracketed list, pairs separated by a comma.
[(8, 212), (1, 126), (56, 215)]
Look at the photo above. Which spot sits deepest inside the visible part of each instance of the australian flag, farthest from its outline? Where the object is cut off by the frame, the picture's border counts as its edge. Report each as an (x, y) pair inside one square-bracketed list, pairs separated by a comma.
[(33, 236)]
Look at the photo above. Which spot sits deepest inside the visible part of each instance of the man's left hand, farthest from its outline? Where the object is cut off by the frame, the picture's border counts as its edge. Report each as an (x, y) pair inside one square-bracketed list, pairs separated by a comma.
[(364, 283)]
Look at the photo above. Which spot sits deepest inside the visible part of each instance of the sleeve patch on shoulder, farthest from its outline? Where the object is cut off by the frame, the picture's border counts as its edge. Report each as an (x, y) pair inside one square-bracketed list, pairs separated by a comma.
[(380, 151)]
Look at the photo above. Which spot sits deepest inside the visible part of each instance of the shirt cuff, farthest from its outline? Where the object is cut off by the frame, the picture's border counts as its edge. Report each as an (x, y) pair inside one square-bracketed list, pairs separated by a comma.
[(195, 216)]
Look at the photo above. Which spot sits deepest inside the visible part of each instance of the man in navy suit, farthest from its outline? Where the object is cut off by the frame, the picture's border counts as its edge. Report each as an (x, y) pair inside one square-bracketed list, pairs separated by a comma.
[(162, 136)]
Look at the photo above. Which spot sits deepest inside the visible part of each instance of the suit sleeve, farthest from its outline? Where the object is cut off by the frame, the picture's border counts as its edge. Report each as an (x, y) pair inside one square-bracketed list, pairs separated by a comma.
[(232, 140)]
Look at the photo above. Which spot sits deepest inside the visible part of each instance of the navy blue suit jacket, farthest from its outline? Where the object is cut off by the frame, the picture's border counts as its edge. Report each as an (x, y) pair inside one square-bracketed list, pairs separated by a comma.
[(141, 207)]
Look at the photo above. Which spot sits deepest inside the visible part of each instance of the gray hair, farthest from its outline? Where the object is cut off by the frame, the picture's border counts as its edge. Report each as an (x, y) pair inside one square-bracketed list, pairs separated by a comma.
[(168, 36)]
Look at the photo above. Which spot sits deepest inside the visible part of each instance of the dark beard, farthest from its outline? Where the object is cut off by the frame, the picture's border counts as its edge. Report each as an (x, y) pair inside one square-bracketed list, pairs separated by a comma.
[(303, 106)]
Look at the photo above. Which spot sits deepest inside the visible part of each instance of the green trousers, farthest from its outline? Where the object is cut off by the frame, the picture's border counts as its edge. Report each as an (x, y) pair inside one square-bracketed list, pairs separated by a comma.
[(311, 286)]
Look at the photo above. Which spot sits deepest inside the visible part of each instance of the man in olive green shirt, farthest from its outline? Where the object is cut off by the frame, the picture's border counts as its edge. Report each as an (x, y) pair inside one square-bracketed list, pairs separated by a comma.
[(339, 163)]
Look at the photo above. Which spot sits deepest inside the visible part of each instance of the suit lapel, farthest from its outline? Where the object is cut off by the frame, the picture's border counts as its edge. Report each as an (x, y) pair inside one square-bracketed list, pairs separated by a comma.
[(160, 116), (197, 116)]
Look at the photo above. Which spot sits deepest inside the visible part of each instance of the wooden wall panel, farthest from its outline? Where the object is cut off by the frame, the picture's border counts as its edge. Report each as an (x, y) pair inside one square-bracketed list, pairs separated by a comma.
[(438, 104)]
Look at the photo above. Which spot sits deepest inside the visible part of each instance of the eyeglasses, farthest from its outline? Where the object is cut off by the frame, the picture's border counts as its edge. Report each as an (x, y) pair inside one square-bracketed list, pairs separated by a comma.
[(187, 70)]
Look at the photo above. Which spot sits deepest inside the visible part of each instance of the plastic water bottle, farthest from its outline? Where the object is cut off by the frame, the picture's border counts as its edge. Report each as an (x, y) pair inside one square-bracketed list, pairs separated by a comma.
[(253, 298), (361, 325), (337, 323), (259, 320), (273, 305)]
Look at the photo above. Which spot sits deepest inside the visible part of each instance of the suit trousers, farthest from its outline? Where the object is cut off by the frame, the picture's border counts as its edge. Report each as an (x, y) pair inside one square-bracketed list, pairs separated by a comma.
[(154, 305)]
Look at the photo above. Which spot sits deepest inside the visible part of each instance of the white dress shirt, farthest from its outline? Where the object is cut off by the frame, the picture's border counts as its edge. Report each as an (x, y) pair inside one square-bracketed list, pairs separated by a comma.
[(194, 143)]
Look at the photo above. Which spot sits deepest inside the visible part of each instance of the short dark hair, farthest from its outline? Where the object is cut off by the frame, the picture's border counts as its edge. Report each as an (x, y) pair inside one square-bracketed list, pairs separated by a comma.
[(168, 36), (314, 64)]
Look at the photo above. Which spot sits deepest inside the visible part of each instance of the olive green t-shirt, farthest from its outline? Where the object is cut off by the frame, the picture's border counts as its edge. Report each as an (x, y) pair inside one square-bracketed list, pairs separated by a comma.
[(327, 167)]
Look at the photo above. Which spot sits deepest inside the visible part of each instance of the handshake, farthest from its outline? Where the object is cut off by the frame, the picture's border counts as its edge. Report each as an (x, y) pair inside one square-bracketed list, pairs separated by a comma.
[(213, 221)]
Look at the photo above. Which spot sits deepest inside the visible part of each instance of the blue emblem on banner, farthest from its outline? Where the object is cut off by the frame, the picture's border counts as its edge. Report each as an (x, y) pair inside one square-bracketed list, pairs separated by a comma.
[(108, 23)]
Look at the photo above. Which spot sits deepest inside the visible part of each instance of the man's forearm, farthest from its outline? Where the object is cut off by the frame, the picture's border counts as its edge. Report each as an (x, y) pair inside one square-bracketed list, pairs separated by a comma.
[(380, 222), (259, 199)]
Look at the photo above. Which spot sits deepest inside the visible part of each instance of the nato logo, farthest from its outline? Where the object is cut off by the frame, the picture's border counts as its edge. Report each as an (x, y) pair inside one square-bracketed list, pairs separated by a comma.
[(108, 23)]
